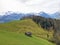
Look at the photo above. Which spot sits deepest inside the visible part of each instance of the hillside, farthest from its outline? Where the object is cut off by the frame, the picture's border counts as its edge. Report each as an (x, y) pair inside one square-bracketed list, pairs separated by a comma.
[(26, 25), (10, 38), (20, 27)]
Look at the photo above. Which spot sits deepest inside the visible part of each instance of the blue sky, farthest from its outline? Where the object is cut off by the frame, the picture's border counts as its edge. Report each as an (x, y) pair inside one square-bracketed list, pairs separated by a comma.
[(28, 6)]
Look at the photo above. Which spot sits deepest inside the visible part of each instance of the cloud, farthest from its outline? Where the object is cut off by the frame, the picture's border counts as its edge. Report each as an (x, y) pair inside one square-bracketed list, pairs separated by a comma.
[(26, 6), (23, 1)]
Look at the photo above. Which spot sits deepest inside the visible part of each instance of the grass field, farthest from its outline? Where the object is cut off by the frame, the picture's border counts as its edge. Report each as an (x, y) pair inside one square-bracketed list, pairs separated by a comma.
[(12, 33), (12, 38)]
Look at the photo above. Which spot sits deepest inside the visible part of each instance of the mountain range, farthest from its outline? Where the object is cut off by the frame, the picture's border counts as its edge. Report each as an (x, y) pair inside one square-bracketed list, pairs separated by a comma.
[(10, 17), (56, 15), (17, 16), (43, 14)]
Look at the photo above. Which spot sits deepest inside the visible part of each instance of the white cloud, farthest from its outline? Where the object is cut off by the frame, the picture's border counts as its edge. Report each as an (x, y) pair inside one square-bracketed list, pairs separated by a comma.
[(27, 6)]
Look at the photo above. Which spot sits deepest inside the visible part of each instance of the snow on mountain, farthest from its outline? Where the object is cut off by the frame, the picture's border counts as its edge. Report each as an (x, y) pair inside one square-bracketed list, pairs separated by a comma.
[(43, 14), (10, 16), (55, 15)]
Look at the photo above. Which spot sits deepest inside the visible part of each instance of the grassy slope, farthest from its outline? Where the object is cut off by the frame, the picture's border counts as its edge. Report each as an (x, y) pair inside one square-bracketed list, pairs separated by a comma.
[(12, 38), (21, 27)]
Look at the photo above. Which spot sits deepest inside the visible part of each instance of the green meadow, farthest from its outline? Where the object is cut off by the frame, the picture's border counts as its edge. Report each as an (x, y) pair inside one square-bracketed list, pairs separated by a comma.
[(13, 33)]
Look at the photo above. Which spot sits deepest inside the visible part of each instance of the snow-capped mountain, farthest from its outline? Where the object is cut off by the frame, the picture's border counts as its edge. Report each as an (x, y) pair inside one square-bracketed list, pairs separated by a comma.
[(43, 14), (10, 17), (55, 15)]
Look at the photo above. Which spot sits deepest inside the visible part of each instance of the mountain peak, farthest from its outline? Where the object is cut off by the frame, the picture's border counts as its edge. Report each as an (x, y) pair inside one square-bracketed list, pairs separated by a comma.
[(43, 14), (56, 15)]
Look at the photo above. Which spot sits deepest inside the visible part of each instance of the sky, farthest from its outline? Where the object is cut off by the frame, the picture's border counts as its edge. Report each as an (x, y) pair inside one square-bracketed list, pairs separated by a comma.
[(29, 6)]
